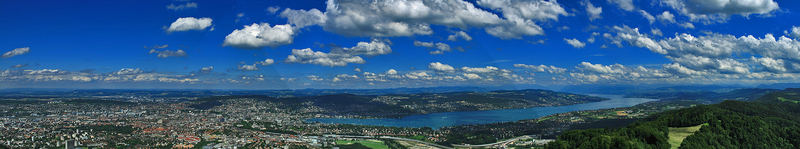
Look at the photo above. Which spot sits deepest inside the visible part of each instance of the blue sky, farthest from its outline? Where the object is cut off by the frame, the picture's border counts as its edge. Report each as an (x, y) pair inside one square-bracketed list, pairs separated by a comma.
[(245, 44)]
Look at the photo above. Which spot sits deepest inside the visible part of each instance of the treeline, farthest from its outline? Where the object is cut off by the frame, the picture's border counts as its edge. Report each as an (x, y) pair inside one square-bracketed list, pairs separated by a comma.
[(768, 122)]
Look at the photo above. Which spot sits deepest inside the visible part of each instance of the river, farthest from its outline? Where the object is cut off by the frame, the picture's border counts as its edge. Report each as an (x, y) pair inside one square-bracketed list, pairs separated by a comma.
[(444, 119)]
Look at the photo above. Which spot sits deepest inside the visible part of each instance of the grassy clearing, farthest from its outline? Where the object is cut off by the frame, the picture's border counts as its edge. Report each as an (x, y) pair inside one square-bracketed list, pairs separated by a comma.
[(373, 144), (677, 134), (787, 100)]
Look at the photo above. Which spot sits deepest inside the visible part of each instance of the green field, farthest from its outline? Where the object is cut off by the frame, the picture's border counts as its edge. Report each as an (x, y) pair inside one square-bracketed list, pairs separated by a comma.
[(787, 100), (373, 144), (677, 134)]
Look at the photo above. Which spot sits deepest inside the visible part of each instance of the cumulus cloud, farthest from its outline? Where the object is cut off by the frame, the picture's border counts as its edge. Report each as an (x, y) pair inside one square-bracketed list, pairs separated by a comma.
[(440, 47), (437, 66), (266, 62), (575, 43), (667, 17), (460, 34), (168, 53), (254, 66), (401, 18), (795, 32), (182, 6), (302, 18), (314, 78), (245, 67), (721, 10), (520, 17), (592, 11), (342, 77), (273, 9), (17, 51), (391, 72), (720, 55), (189, 23), (308, 56), (122, 75), (487, 69), (414, 17), (207, 69), (340, 56), (472, 76), (634, 37), (599, 68), (542, 68), (260, 35)]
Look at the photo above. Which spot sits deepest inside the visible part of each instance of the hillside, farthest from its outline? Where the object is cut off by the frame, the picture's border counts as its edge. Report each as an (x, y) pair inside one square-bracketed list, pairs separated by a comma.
[(395, 105), (771, 121)]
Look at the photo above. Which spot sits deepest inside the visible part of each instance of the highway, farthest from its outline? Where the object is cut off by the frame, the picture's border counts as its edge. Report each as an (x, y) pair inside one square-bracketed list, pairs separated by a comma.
[(418, 141), (493, 144)]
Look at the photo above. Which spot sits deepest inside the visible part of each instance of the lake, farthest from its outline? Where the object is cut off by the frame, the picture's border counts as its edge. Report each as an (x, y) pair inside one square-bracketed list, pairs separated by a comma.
[(444, 119)]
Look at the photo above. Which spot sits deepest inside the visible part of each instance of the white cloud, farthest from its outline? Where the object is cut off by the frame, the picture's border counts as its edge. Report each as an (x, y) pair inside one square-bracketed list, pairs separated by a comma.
[(17, 51), (520, 16), (650, 18), (795, 32), (340, 56), (770, 64), (437, 66), (592, 11), (207, 69), (246, 67), (687, 25), (189, 23), (302, 18), (308, 56), (182, 6), (418, 75), (472, 76), (266, 62), (709, 11), (342, 77), (626, 5), (656, 31), (487, 69), (440, 47), (391, 72), (168, 53), (542, 68), (402, 17), (599, 68), (667, 17), (260, 35), (575, 43), (414, 17), (314, 78), (632, 36), (372, 48), (273, 9), (459, 34)]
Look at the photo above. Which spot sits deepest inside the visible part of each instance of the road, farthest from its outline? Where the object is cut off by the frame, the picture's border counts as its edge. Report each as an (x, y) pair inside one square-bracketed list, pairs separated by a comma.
[(418, 141), (493, 144)]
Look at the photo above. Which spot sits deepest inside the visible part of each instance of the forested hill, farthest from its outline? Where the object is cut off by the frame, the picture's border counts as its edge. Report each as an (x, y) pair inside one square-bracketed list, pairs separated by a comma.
[(394, 105), (772, 121)]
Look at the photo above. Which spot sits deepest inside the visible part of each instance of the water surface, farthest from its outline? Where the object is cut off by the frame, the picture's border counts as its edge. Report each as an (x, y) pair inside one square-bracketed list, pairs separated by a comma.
[(438, 120)]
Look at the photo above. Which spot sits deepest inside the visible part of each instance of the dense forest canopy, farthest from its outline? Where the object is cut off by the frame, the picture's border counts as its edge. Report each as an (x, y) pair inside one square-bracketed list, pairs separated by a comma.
[(772, 121)]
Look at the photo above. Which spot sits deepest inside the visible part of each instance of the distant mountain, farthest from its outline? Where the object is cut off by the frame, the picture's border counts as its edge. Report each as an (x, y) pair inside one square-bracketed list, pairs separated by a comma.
[(707, 97), (637, 89), (394, 105), (780, 85)]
